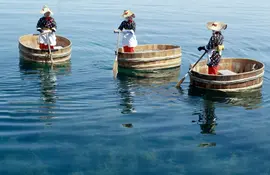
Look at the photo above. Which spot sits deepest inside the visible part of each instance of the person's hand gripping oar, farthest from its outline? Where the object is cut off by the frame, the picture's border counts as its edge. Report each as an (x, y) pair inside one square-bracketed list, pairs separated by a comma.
[(183, 79)]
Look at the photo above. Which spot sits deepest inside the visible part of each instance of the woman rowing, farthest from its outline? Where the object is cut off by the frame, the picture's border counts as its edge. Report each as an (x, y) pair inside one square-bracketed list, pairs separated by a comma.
[(215, 46), (47, 27), (128, 28)]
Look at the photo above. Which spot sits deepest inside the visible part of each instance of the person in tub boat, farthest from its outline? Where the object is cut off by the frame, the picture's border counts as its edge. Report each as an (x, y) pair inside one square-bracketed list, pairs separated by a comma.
[(46, 24), (128, 28), (215, 46)]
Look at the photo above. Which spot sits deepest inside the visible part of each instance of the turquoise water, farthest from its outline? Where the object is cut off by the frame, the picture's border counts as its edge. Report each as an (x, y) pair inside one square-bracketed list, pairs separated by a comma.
[(78, 119)]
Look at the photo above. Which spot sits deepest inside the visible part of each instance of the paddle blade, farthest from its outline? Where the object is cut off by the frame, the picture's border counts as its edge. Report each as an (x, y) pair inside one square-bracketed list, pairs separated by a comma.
[(115, 68), (180, 82)]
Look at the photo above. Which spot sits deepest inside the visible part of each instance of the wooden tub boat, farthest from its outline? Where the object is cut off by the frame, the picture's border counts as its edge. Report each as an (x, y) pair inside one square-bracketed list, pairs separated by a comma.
[(150, 57), (29, 50), (235, 75)]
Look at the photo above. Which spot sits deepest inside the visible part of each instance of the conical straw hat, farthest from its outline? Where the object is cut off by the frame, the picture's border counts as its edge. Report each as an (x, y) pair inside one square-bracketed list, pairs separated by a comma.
[(216, 26)]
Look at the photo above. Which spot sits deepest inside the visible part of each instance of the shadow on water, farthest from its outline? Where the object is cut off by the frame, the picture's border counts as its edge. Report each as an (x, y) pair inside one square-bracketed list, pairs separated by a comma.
[(207, 117), (47, 76)]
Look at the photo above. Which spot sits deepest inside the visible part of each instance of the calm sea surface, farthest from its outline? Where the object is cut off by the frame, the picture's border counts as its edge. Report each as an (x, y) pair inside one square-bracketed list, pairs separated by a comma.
[(78, 119)]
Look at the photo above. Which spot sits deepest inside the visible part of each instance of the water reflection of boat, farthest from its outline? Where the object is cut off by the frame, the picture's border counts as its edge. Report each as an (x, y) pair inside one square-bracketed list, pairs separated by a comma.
[(159, 77), (207, 117), (127, 84), (163, 73), (47, 77), (249, 100)]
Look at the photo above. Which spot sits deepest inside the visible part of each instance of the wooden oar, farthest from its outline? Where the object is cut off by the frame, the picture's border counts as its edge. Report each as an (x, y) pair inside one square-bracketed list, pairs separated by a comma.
[(115, 65), (182, 80)]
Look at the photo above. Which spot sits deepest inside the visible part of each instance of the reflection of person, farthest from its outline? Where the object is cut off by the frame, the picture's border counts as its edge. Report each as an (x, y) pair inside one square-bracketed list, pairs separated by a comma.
[(127, 101), (48, 83), (128, 27), (207, 119), (46, 24), (46, 78), (126, 95)]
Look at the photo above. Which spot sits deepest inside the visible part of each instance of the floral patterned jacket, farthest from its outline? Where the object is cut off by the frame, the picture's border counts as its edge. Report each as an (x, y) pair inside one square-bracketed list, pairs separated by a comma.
[(46, 23), (213, 43), (128, 25)]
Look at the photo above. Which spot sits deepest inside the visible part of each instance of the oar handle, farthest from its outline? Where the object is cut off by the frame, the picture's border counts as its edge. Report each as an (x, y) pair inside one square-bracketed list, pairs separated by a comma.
[(117, 44), (115, 65)]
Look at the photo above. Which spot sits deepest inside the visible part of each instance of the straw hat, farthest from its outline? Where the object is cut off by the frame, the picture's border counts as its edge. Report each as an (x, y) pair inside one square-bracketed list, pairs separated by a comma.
[(46, 9), (216, 26), (127, 13)]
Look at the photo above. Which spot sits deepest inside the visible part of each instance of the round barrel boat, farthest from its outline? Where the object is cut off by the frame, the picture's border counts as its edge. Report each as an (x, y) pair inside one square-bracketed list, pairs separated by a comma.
[(234, 75), (29, 50), (150, 57)]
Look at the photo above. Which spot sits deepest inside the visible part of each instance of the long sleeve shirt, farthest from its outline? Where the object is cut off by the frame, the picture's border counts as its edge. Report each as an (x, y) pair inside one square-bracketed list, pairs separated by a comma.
[(215, 41)]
